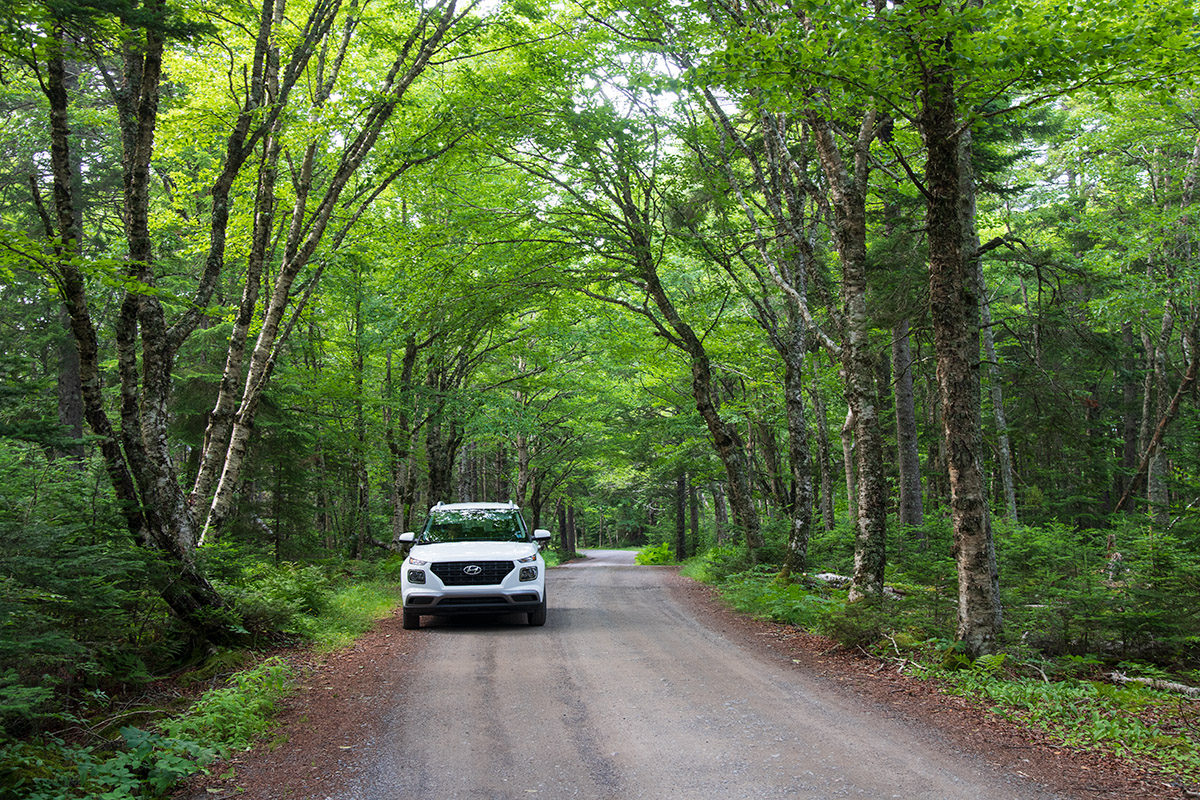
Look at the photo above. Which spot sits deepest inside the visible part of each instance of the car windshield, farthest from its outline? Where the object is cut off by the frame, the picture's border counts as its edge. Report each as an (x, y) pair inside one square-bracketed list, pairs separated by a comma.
[(474, 525)]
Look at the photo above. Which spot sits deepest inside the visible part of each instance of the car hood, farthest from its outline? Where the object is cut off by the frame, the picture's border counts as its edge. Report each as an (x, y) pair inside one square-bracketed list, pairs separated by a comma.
[(473, 551)]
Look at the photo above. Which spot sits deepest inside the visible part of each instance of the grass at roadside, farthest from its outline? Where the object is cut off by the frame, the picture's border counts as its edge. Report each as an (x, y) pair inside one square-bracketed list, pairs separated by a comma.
[(351, 612)]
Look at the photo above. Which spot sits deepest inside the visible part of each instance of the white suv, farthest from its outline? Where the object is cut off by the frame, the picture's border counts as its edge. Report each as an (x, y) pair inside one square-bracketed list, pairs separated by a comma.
[(473, 558)]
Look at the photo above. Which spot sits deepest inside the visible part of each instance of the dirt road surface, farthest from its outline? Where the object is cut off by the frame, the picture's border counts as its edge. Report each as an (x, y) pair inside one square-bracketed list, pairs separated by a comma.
[(627, 692)]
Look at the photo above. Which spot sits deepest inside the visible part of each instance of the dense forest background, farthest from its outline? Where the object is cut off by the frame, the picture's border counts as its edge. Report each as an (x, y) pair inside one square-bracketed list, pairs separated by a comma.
[(904, 292)]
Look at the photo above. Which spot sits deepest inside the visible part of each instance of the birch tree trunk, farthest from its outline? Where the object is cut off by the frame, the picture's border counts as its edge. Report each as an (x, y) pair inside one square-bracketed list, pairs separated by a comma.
[(307, 230), (800, 508), (848, 465), (136, 453)]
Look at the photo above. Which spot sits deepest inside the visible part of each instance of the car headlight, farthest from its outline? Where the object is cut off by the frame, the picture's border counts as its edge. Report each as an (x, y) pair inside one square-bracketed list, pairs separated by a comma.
[(416, 562), (527, 559)]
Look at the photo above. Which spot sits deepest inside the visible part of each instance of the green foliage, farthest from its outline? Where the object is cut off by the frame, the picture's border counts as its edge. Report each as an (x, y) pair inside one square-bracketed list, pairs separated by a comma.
[(147, 766), (717, 563), (655, 555), (232, 717), (273, 598), (1088, 714), (760, 592), (77, 605), (1066, 593), (863, 624), (147, 763), (349, 612)]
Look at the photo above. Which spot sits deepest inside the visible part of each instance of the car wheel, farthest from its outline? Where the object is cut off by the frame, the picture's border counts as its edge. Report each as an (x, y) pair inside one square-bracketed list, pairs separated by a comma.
[(538, 615), (411, 621)]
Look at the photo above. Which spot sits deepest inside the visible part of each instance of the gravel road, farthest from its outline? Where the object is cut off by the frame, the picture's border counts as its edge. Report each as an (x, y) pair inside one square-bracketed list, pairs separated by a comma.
[(626, 694)]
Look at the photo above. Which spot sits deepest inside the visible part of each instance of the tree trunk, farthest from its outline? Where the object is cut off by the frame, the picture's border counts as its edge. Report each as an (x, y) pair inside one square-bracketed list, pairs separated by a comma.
[(1130, 416), (975, 265), (908, 452), (824, 459), (800, 503), (848, 464), (730, 446), (308, 228), (694, 513), (849, 192), (572, 532), (136, 455), (1158, 498), (954, 305), (395, 433), (720, 513), (681, 550)]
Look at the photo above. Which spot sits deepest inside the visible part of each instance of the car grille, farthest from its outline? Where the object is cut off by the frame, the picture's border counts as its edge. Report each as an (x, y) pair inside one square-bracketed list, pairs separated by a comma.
[(455, 573)]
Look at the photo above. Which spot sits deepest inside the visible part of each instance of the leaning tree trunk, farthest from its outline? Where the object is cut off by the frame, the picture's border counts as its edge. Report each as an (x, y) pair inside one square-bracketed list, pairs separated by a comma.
[(730, 446), (308, 229), (136, 454)]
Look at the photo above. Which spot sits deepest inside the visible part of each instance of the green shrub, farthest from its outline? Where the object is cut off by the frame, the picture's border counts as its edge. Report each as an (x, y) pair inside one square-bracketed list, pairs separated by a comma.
[(270, 598), (760, 592), (146, 765), (232, 717), (77, 603), (717, 564), (1084, 714), (655, 555), (862, 624), (1067, 594)]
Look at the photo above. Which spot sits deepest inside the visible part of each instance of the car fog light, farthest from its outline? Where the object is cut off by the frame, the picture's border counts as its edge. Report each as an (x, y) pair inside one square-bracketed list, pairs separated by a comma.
[(416, 576), (529, 573)]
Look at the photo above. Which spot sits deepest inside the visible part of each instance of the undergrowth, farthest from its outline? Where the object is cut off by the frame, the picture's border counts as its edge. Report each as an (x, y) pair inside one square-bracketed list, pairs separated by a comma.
[(1130, 721), (146, 764), (310, 604), (655, 555)]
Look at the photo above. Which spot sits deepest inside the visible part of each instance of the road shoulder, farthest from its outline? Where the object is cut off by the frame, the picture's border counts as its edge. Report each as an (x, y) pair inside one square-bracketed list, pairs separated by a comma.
[(966, 726)]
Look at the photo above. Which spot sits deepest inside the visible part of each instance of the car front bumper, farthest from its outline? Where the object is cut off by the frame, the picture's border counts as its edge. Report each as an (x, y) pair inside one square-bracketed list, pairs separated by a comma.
[(494, 602)]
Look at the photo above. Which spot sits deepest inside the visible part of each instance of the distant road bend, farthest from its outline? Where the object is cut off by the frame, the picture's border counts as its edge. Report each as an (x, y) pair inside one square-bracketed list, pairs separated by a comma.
[(626, 694)]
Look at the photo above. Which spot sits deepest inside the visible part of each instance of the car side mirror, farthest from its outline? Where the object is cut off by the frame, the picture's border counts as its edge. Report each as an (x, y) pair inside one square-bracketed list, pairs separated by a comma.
[(406, 538), (540, 534)]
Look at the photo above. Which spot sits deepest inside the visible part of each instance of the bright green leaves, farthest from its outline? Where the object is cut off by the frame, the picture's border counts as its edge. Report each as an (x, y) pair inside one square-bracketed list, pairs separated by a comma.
[(845, 53)]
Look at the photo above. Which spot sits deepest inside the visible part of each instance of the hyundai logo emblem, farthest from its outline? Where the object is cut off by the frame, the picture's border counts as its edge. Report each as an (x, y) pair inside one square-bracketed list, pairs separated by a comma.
[(472, 569)]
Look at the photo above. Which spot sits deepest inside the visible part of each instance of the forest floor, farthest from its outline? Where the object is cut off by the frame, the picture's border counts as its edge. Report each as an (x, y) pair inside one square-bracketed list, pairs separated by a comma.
[(343, 697)]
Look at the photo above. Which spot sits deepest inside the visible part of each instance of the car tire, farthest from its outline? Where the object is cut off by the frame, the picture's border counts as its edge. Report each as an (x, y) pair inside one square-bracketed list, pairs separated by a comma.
[(411, 621), (537, 617)]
